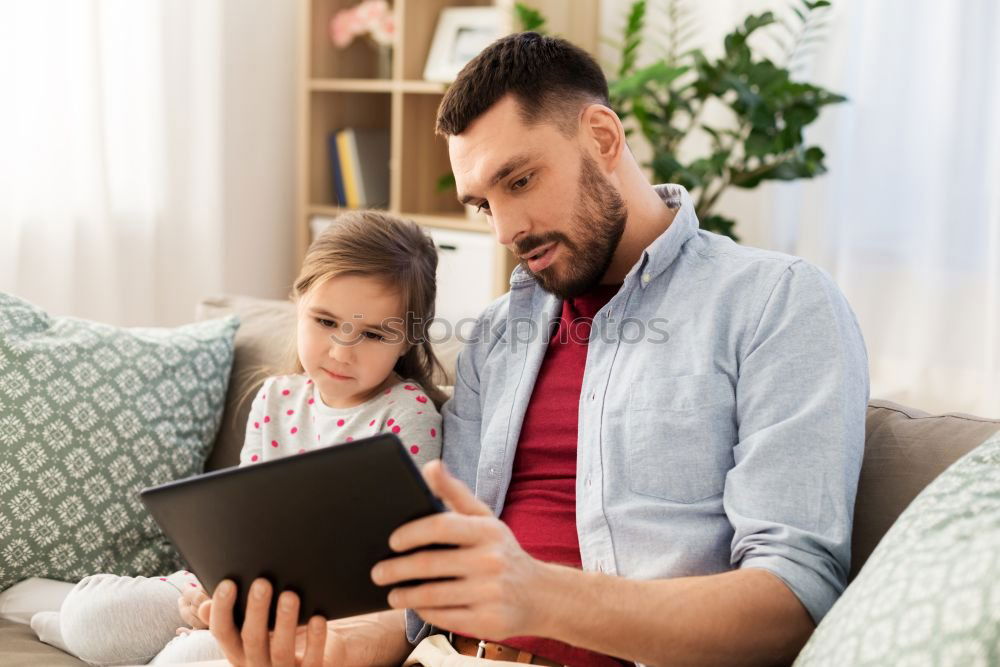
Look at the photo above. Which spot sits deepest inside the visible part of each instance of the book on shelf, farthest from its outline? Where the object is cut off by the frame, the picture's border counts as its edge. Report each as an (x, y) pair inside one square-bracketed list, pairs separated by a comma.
[(336, 176), (345, 155), (359, 167)]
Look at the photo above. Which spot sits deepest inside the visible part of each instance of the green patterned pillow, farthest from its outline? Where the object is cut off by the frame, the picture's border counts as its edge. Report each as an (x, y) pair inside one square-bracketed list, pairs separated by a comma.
[(90, 414), (930, 592)]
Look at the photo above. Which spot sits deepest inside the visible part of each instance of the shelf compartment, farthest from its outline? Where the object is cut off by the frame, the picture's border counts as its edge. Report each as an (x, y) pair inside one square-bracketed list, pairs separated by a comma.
[(419, 22), (427, 158), (359, 60), (330, 111)]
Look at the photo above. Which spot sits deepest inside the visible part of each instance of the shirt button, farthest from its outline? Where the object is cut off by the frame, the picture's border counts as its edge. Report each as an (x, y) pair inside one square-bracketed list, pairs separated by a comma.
[(593, 395), (588, 482), (493, 472), (646, 278)]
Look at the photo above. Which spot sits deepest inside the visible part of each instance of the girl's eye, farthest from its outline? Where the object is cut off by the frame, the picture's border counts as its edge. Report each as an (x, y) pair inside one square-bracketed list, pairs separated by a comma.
[(329, 324), (484, 207), (371, 335), (520, 183)]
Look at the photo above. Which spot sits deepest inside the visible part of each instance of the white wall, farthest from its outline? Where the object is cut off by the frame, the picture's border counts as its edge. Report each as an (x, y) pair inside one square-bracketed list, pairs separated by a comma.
[(258, 110)]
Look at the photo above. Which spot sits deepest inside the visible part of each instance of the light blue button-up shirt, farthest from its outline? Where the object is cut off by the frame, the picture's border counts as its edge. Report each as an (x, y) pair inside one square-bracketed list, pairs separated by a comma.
[(721, 420)]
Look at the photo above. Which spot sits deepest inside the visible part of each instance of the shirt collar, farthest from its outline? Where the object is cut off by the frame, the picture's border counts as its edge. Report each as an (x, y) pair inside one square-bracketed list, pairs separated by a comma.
[(661, 253)]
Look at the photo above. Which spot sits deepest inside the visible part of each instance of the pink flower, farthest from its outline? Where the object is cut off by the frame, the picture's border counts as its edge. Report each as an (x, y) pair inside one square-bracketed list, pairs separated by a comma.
[(372, 11), (384, 31), (372, 17), (342, 28)]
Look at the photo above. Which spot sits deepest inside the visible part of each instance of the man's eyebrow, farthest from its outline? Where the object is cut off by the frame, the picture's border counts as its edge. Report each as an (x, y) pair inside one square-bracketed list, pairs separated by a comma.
[(503, 172)]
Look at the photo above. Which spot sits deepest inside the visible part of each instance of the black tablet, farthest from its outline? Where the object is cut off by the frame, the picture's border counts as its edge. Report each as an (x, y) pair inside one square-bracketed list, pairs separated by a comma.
[(314, 523)]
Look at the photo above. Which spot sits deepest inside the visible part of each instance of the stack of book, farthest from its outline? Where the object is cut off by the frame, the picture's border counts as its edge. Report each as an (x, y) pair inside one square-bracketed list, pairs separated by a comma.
[(359, 167)]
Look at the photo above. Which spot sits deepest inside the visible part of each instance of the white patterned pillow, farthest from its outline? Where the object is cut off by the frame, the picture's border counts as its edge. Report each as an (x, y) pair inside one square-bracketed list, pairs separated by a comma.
[(90, 414), (930, 592)]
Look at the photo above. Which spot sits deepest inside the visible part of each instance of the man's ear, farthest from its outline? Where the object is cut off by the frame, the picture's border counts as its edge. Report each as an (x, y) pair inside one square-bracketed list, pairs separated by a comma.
[(604, 135)]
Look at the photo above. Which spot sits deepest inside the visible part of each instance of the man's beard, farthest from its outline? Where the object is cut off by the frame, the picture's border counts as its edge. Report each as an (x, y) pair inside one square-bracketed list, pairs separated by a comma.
[(598, 223)]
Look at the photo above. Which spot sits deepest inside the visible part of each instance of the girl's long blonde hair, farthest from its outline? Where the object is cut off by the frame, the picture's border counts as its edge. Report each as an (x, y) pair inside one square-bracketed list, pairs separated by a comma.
[(398, 254)]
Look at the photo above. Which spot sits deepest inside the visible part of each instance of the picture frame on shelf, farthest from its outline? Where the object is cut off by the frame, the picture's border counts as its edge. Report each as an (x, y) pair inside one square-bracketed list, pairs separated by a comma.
[(461, 33)]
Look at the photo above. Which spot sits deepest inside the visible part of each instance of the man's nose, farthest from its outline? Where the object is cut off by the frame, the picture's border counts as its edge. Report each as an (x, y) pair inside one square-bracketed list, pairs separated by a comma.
[(508, 226)]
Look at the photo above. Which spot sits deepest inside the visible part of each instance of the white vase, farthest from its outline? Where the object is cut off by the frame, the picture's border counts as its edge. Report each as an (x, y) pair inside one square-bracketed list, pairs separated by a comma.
[(383, 62)]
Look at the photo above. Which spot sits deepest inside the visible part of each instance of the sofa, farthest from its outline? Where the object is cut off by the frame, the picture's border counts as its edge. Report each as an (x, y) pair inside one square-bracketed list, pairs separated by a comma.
[(905, 449)]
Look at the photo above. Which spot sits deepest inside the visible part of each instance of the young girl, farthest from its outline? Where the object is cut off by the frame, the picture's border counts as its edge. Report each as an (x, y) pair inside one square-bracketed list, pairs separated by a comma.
[(363, 365)]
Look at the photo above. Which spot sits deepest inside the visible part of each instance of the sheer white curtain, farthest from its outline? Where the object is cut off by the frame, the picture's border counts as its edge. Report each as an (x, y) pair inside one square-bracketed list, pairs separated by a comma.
[(111, 158), (907, 220)]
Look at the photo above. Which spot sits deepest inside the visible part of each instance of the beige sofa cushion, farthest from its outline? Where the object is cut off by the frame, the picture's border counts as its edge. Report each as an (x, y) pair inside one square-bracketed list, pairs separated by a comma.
[(20, 647), (264, 340), (905, 449)]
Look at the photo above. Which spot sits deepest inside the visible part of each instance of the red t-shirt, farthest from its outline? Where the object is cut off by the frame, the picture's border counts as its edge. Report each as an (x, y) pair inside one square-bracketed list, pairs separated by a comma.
[(540, 508)]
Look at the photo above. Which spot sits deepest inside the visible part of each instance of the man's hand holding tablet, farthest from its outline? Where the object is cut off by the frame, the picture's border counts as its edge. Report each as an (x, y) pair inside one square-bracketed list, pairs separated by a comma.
[(372, 639)]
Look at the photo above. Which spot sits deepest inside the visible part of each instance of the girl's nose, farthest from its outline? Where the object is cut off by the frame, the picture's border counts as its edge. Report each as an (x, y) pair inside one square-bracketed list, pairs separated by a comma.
[(342, 351)]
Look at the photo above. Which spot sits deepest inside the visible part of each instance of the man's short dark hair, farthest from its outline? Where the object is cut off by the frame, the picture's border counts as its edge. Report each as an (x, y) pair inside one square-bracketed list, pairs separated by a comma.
[(550, 78)]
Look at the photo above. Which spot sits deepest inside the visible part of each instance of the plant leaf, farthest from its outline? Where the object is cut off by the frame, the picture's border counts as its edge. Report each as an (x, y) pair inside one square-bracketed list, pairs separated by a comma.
[(445, 182), (530, 19), (632, 85), (632, 38), (718, 224)]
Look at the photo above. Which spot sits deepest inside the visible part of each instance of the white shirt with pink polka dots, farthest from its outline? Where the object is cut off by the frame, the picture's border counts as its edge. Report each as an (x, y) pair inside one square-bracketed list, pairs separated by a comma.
[(289, 417)]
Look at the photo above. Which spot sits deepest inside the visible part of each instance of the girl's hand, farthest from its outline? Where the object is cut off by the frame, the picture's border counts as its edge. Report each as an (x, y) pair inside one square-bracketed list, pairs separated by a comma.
[(187, 605)]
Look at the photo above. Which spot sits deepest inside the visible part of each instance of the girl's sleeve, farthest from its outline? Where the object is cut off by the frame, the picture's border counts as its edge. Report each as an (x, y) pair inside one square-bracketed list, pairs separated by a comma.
[(418, 426), (253, 443)]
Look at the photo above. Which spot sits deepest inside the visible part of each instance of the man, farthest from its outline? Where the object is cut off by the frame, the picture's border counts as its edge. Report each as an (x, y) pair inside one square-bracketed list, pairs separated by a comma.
[(663, 429)]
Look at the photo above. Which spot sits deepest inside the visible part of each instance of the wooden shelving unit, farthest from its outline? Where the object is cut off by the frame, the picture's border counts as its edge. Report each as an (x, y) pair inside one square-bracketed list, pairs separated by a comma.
[(338, 88)]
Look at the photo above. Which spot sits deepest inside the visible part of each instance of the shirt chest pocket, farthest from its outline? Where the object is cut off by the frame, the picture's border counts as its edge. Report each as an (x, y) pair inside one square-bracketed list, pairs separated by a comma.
[(681, 434)]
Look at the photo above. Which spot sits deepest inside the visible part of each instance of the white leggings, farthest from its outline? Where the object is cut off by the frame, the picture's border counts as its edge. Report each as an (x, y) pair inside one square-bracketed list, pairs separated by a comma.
[(112, 620)]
